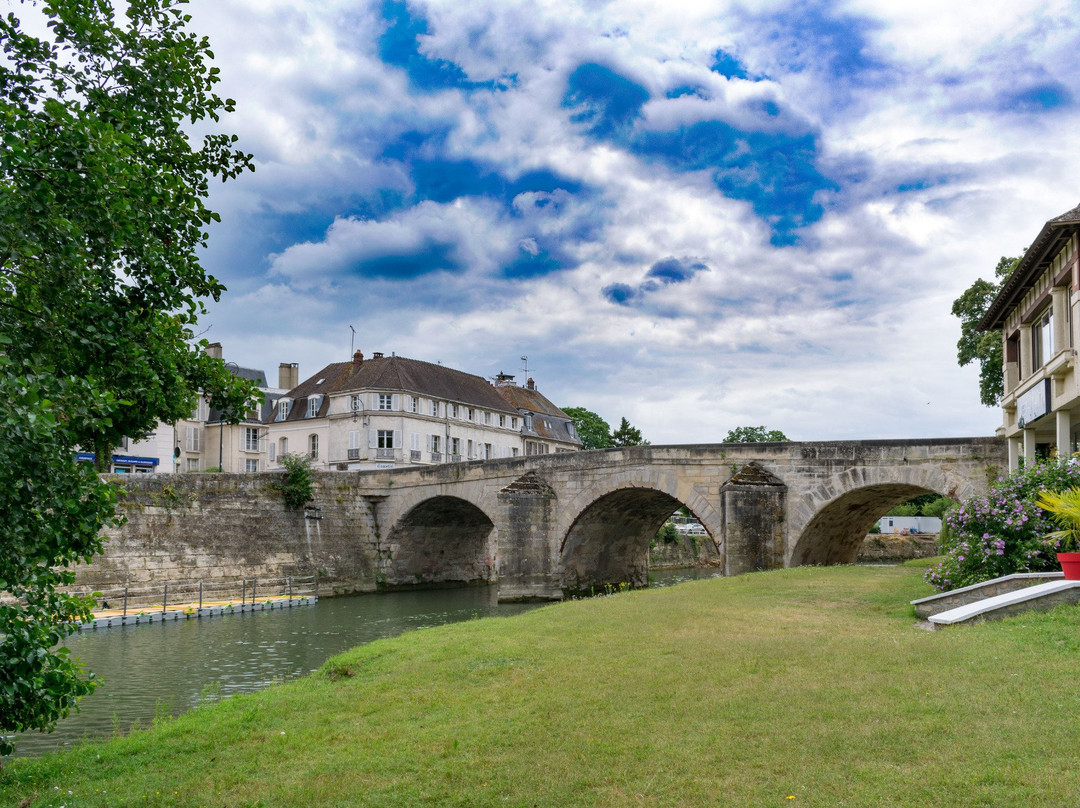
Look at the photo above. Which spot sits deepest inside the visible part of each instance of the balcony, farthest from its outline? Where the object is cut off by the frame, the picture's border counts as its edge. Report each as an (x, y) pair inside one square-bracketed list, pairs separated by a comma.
[(384, 454), (414, 456), (354, 454), (436, 457)]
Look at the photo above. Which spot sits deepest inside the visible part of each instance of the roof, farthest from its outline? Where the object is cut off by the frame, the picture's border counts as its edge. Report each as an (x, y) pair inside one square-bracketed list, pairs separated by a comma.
[(1053, 236), (257, 376), (398, 373), (533, 400), (549, 422)]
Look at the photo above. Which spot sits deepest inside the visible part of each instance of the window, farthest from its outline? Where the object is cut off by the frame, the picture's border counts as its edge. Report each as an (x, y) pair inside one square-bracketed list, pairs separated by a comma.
[(283, 447), (385, 439), (194, 439), (201, 410), (455, 446), (469, 414), (487, 452), (313, 406), (386, 401), (435, 408), (414, 404), (251, 440), (513, 423), (251, 466), (502, 420), (283, 408), (486, 416), (453, 410), (313, 447), (1042, 339), (436, 443), (193, 464), (528, 420), (514, 451)]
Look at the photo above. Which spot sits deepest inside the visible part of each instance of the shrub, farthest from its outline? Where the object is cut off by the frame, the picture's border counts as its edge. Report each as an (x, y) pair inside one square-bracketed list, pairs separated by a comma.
[(1005, 531), (295, 485)]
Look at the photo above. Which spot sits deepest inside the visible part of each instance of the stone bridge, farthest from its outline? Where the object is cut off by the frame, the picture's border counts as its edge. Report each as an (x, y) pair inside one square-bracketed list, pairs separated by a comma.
[(544, 526)]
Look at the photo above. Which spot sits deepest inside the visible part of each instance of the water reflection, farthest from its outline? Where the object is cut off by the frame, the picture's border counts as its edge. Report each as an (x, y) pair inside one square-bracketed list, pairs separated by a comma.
[(170, 667)]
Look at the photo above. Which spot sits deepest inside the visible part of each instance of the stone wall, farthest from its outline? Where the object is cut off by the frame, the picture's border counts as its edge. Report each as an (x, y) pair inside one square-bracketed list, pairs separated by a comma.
[(228, 526)]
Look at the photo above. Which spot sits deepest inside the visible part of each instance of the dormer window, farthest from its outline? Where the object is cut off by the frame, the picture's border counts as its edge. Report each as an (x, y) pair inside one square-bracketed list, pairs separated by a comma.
[(313, 406), (284, 405)]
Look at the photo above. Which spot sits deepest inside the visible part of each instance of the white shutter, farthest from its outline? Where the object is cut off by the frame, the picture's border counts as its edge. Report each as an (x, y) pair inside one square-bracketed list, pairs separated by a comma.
[(354, 439), (430, 443), (395, 402), (397, 439), (273, 449), (373, 438), (415, 440)]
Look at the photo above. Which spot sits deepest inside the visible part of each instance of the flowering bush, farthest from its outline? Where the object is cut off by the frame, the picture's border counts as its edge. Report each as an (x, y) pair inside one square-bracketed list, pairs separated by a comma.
[(1005, 531)]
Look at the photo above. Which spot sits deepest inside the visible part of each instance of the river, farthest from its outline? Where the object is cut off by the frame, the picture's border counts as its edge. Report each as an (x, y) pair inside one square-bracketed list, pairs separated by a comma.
[(169, 668)]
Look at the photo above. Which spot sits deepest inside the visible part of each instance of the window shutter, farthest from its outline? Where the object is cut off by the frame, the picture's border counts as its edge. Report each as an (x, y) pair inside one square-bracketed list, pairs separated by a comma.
[(273, 449), (397, 438), (415, 439), (372, 438), (354, 439), (395, 402)]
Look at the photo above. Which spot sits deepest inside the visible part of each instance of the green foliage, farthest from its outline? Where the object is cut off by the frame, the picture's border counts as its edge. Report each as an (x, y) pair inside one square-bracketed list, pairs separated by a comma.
[(102, 216), (905, 509), (754, 434), (1005, 531), (923, 505), (627, 435), (296, 482), (979, 346), (594, 431), (667, 533), (1064, 509)]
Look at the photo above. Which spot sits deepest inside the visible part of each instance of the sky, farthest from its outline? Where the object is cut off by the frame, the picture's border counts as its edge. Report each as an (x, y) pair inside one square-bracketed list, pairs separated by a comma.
[(695, 216)]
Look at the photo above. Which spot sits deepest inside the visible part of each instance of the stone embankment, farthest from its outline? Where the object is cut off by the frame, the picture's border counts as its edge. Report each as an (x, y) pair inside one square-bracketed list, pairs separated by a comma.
[(885, 547)]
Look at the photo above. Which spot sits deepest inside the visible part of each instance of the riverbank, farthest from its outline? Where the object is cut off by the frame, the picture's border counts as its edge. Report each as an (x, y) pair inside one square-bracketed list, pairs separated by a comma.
[(806, 687)]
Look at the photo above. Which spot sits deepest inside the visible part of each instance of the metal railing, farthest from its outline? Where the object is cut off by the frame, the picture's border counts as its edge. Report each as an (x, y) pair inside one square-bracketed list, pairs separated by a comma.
[(157, 597)]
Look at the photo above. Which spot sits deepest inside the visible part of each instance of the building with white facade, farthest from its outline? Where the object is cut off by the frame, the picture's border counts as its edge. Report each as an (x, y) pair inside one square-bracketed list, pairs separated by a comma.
[(1037, 311), (390, 411), (207, 441)]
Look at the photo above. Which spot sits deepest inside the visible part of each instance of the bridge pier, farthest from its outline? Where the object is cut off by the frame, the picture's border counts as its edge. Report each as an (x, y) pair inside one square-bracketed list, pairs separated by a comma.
[(752, 506), (528, 560)]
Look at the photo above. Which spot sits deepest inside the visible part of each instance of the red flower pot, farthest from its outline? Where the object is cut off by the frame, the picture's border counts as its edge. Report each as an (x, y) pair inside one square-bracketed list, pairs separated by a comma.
[(1070, 565)]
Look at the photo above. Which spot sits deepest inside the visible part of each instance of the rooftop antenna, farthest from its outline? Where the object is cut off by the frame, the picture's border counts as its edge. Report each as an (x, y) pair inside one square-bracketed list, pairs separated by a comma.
[(525, 362), (352, 341)]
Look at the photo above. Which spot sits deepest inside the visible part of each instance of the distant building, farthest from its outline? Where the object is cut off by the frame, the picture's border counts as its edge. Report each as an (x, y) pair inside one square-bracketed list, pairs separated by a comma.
[(205, 441), (1037, 310), (544, 427), (390, 411)]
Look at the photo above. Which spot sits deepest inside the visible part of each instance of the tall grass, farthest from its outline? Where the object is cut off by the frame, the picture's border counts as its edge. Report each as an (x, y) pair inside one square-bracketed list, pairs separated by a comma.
[(806, 687)]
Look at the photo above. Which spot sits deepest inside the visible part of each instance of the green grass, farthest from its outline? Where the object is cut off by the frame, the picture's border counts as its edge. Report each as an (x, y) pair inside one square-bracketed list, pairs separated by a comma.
[(805, 687)]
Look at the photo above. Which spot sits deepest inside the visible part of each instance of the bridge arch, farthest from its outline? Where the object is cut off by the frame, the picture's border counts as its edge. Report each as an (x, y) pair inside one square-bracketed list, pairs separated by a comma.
[(828, 525), (438, 540), (606, 534)]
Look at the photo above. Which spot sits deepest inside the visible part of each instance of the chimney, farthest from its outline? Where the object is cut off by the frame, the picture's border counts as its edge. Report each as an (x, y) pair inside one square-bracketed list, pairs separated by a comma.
[(504, 380), (530, 384), (358, 358), (288, 375), (213, 350), (377, 355)]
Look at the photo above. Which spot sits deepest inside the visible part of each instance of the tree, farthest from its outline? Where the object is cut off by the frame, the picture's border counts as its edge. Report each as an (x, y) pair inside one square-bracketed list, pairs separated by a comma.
[(102, 214), (594, 431), (983, 347), (627, 435), (754, 434)]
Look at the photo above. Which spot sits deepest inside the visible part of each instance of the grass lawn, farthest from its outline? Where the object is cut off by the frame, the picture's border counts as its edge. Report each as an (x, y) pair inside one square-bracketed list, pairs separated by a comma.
[(803, 687)]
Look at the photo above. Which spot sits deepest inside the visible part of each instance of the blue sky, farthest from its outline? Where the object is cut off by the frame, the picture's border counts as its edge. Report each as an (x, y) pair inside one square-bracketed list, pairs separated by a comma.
[(736, 214)]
